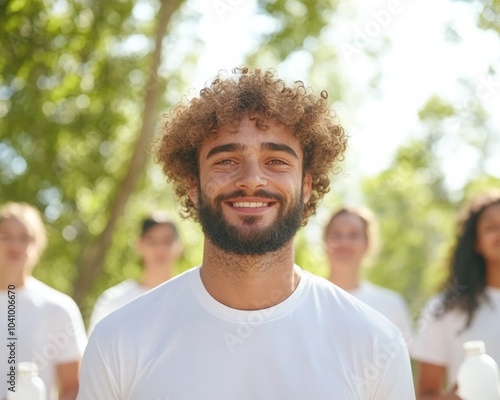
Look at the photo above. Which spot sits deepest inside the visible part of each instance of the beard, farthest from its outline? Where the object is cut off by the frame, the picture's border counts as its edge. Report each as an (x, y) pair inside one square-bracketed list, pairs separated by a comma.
[(249, 239)]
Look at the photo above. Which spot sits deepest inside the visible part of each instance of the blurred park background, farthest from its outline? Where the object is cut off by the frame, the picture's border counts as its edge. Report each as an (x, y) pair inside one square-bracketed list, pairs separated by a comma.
[(83, 85)]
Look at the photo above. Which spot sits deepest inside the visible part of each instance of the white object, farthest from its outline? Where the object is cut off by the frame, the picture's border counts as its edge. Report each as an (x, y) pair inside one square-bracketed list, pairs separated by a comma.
[(29, 386), (178, 342), (478, 376)]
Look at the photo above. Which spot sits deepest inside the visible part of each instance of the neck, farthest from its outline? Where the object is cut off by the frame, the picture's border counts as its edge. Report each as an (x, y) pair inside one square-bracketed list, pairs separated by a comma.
[(153, 277), (249, 282), (8, 278), (344, 276), (493, 274)]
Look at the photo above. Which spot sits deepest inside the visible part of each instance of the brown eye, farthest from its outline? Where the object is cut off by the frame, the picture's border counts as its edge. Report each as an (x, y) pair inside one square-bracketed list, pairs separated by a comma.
[(225, 162)]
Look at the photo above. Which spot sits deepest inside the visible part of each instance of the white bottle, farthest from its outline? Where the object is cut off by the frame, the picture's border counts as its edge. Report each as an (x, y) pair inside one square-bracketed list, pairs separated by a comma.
[(29, 386), (478, 376)]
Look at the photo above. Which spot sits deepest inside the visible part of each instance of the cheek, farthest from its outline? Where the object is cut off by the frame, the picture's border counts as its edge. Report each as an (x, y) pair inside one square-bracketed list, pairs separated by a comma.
[(213, 184), (216, 184), (484, 241), (32, 255), (362, 247)]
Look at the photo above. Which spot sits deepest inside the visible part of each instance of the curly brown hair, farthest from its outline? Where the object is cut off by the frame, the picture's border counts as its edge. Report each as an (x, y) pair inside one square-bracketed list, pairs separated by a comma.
[(225, 102)]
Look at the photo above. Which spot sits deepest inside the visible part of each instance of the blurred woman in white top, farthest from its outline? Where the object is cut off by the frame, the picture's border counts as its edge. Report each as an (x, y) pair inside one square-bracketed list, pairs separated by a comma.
[(467, 308), (350, 238)]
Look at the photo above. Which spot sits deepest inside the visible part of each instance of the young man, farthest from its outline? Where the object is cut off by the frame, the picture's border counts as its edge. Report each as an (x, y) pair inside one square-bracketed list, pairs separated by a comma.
[(159, 247), (45, 325), (250, 159)]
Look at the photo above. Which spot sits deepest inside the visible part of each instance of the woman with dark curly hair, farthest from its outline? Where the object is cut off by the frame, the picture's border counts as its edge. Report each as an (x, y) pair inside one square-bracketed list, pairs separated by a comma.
[(250, 158), (468, 308)]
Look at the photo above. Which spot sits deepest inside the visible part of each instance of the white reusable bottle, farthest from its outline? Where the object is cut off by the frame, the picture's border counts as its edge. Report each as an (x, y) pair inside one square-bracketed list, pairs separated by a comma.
[(478, 376), (29, 386)]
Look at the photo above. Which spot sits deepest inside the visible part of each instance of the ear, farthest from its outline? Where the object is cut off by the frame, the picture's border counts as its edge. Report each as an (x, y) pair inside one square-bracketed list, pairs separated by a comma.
[(138, 247), (193, 191), (178, 249), (307, 187), (366, 248)]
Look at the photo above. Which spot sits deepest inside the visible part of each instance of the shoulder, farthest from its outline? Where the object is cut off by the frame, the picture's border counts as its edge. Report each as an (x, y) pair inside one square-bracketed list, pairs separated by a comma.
[(380, 291), (138, 314), (434, 307), (44, 295), (119, 290), (345, 308), (375, 336)]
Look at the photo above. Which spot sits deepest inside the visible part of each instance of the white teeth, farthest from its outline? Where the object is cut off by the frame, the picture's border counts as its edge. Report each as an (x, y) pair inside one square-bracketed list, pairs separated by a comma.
[(249, 204)]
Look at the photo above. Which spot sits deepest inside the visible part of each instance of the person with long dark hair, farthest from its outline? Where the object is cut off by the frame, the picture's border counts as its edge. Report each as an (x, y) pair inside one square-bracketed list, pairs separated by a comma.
[(468, 307)]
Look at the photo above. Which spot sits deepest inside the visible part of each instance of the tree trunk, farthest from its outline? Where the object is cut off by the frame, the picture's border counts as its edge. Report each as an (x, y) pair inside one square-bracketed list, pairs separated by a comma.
[(92, 260)]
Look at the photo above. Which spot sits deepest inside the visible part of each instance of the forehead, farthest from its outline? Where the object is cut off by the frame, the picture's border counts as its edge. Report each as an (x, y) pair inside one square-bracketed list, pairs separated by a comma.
[(490, 212), (346, 221), (160, 229), (13, 225), (252, 137)]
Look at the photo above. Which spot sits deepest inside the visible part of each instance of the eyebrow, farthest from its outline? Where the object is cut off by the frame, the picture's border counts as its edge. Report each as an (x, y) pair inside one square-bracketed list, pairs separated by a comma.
[(240, 147), (226, 148)]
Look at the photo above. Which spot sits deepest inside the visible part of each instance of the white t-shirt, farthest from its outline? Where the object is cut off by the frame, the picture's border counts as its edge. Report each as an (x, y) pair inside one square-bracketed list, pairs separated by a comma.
[(114, 298), (48, 330), (177, 342), (439, 340), (388, 303)]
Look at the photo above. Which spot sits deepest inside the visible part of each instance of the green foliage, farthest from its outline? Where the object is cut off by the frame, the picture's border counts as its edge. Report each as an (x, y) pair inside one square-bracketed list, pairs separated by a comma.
[(295, 22), (488, 18), (72, 100), (436, 108), (417, 211), (414, 226)]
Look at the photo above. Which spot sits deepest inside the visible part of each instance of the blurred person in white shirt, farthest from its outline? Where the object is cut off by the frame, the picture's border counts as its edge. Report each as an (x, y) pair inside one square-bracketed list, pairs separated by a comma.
[(47, 326), (351, 237), (159, 247)]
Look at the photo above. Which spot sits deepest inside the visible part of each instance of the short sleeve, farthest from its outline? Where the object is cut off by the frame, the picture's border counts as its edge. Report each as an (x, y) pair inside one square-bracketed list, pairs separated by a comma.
[(391, 367), (403, 320), (429, 344), (68, 332), (98, 312), (96, 379)]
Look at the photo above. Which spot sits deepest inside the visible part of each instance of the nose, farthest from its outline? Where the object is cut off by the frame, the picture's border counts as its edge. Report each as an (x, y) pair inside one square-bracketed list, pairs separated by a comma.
[(251, 176)]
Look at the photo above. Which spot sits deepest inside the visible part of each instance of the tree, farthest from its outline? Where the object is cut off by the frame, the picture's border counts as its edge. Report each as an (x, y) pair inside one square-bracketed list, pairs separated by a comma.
[(76, 151), (416, 207), (93, 257)]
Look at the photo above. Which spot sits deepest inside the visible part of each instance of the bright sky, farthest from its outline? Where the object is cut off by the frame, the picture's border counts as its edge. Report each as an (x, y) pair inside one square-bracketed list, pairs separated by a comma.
[(418, 63)]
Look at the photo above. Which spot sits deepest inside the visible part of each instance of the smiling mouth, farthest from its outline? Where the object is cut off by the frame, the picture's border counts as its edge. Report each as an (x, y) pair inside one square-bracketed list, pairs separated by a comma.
[(248, 204)]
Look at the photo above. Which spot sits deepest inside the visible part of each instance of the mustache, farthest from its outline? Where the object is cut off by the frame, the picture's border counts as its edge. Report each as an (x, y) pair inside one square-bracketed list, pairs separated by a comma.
[(258, 193)]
